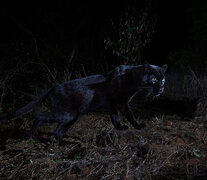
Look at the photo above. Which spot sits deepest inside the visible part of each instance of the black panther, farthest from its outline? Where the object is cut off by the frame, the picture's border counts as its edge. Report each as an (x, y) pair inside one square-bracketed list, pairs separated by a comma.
[(111, 92)]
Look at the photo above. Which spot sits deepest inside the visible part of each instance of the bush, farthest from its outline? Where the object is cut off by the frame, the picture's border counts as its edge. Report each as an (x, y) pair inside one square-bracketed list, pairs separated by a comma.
[(128, 35)]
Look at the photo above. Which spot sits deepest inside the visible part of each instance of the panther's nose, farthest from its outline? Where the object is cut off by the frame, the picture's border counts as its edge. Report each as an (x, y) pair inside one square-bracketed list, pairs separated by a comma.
[(161, 90)]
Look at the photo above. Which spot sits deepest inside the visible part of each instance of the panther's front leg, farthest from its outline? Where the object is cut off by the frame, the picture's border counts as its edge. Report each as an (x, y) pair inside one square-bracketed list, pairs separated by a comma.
[(116, 122), (125, 110)]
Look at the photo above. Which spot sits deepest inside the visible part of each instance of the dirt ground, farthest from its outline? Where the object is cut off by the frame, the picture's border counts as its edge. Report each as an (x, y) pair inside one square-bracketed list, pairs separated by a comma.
[(168, 148)]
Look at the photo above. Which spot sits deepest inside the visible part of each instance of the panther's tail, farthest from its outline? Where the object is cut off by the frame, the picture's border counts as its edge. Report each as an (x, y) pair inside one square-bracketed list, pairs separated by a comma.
[(26, 109)]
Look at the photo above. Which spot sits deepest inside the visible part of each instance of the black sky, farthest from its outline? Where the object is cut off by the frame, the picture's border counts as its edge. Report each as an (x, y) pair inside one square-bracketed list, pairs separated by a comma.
[(66, 24)]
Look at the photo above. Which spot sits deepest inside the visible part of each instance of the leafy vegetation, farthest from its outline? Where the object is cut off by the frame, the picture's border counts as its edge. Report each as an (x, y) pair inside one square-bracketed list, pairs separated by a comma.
[(129, 34)]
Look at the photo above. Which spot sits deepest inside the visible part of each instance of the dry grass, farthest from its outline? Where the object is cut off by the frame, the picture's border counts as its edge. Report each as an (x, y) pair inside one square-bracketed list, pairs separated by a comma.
[(167, 149)]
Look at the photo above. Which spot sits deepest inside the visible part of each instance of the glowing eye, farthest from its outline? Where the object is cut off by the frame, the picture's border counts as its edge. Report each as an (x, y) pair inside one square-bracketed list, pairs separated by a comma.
[(154, 80)]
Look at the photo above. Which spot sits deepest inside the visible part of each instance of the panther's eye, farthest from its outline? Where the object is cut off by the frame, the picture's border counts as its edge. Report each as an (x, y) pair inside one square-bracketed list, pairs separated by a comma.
[(154, 80), (163, 81)]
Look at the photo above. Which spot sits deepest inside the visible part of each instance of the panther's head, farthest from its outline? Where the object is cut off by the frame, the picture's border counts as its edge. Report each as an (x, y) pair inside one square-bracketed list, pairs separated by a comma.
[(154, 79)]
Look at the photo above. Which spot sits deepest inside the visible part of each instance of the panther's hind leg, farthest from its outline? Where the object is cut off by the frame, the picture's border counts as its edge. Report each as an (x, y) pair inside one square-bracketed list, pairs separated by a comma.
[(67, 120), (39, 120)]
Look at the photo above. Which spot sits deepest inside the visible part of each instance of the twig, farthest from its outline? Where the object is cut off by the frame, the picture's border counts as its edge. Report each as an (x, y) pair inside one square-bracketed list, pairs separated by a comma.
[(94, 170), (144, 160), (162, 164)]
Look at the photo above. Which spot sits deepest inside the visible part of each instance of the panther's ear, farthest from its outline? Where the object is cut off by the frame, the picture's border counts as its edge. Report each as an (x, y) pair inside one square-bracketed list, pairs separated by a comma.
[(146, 66), (164, 68)]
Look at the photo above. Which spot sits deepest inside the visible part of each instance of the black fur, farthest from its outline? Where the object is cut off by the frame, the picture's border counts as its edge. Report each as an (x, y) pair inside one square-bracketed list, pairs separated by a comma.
[(110, 92)]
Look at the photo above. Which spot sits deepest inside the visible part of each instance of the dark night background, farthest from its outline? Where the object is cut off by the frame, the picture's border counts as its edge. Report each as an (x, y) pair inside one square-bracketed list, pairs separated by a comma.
[(67, 24), (38, 39), (51, 34)]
